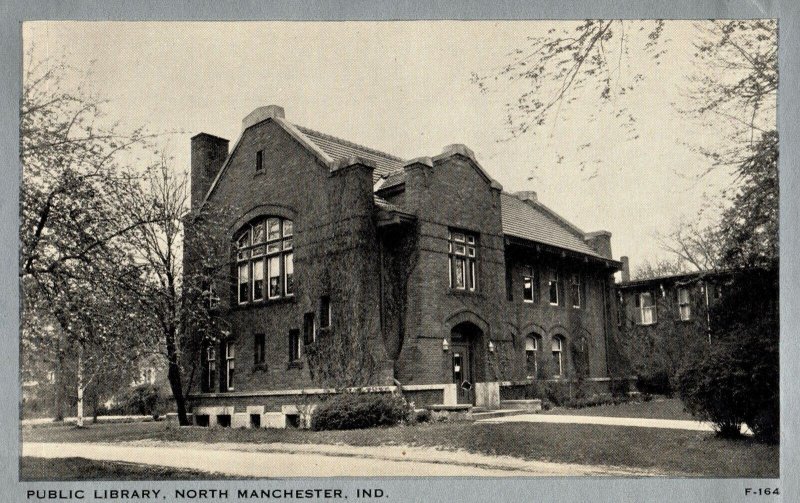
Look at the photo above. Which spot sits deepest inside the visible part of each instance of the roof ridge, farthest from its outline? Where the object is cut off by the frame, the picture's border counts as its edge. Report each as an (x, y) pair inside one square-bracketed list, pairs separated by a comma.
[(307, 130)]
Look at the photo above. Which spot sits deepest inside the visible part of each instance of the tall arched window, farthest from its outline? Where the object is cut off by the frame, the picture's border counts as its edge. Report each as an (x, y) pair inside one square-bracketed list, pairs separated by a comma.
[(558, 359), (265, 260), (531, 357)]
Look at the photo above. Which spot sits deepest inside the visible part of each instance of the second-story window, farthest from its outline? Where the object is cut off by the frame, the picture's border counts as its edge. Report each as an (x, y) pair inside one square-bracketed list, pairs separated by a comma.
[(684, 307), (553, 287), (575, 290), (646, 303), (463, 252), (265, 260), (530, 285)]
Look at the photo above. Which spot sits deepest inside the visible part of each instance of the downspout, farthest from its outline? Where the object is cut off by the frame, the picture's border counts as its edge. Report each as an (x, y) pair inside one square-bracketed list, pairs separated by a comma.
[(708, 313), (607, 327)]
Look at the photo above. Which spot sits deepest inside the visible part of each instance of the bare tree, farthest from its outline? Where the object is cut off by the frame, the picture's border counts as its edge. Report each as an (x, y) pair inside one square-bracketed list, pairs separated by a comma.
[(179, 300)]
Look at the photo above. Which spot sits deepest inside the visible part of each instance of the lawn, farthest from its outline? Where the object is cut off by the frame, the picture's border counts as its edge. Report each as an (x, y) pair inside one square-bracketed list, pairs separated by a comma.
[(677, 452), (657, 408), (36, 469)]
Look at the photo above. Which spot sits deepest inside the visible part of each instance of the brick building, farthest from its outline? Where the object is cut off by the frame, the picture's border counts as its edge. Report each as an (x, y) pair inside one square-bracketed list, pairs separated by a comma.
[(662, 319), (457, 287)]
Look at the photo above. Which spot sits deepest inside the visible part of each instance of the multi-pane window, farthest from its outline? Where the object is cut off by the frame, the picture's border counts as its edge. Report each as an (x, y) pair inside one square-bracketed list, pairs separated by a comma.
[(265, 260), (553, 287), (259, 349), (211, 368), (684, 306), (647, 308), (531, 360), (462, 256), (530, 285), (558, 363), (575, 290), (294, 345), (230, 364)]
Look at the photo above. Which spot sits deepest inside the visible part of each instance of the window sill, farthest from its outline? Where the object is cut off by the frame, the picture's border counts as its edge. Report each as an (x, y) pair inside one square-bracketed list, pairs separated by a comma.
[(260, 367), (465, 293), (295, 365), (264, 303)]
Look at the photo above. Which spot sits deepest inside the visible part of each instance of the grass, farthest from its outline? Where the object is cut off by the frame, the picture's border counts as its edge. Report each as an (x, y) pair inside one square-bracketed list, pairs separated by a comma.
[(657, 408), (676, 452), (38, 469)]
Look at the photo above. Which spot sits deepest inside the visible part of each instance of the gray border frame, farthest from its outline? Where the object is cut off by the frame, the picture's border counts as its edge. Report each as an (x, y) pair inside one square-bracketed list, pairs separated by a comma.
[(14, 12)]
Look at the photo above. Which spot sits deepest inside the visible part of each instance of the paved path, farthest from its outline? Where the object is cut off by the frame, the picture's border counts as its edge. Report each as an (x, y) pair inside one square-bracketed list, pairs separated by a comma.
[(88, 420), (672, 424), (306, 460)]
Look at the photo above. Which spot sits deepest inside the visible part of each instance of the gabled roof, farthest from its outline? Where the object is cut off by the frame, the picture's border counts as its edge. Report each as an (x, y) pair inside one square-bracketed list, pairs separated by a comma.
[(328, 149), (338, 148), (535, 222)]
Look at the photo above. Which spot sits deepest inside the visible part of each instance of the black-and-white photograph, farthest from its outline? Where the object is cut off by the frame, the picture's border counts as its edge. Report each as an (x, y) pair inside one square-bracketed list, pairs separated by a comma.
[(279, 249)]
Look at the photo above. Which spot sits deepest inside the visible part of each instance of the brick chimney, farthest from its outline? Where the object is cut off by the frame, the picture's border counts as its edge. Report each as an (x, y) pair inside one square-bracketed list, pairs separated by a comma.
[(626, 269), (208, 154), (527, 195), (599, 241)]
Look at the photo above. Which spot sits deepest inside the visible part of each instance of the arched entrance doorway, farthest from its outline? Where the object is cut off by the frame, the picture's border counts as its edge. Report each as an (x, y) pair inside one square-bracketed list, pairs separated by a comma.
[(465, 339)]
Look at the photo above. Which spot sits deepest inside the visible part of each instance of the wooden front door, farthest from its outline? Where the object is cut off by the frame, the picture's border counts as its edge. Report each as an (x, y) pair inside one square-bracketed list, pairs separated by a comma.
[(462, 373)]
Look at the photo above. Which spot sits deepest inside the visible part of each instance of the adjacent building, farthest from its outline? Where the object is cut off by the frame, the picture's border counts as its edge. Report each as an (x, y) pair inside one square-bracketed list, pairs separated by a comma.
[(664, 318)]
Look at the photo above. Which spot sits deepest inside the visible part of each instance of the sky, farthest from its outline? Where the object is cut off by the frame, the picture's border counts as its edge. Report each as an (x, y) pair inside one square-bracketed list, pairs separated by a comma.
[(405, 88)]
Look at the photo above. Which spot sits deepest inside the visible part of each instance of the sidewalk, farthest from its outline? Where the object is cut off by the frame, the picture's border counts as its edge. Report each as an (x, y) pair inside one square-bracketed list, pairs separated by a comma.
[(309, 460), (672, 424), (100, 419)]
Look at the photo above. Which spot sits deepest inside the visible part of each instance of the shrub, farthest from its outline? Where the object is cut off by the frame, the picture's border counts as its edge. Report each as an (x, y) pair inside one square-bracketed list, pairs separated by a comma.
[(145, 400), (620, 387), (732, 383), (534, 389), (556, 392), (656, 382), (349, 411), (735, 380), (423, 416)]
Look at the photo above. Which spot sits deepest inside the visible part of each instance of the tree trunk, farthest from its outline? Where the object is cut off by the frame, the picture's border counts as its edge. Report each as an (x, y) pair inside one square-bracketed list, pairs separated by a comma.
[(59, 394), (94, 405), (80, 387), (174, 377)]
